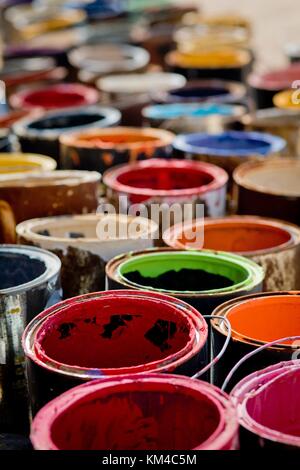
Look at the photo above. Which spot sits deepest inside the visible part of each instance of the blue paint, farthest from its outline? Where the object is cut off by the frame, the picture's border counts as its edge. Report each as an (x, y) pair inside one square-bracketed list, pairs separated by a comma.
[(229, 143), (177, 110)]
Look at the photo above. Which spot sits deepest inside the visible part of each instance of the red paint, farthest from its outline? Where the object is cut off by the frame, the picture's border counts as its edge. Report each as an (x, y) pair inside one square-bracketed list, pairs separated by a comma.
[(159, 178), (269, 403), (63, 95), (276, 79), (80, 334), (153, 411)]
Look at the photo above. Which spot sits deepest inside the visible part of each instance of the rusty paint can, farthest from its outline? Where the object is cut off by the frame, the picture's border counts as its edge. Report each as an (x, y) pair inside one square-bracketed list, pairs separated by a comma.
[(49, 193), (168, 182), (282, 122), (224, 63), (204, 278), (255, 321), (149, 411), (110, 333), (29, 281), (41, 133), (273, 244), (100, 149), (85, 243), (229, 149), (269, 188), (267, 402)]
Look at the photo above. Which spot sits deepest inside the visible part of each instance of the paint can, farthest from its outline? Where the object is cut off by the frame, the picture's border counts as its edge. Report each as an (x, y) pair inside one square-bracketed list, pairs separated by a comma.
[(267, 403), (224, 63), (255, 320), (107, 334), (269, 188), (199, 91), (25, 163), (292, 51), (167, 182), (130, 92), (9, 118), (29, 282), (100, 149), (264, 86), (224, 20), (149, 411), (106, 59), (282, 122), (41, 134), (84, 244), (228, 149), (273, 244), (203, 279), (49, 193), (287, 99), (62, 95)]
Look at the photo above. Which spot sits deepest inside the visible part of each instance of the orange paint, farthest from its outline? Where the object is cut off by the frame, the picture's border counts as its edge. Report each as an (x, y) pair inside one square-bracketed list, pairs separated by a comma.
[(265, 319), (237, 235)]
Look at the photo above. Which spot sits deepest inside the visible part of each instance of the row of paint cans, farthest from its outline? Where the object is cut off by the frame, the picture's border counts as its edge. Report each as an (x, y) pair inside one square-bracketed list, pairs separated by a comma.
[(256, 320), (29, 282), (204, 279), (85, 243), (273, 244), (110, 333)]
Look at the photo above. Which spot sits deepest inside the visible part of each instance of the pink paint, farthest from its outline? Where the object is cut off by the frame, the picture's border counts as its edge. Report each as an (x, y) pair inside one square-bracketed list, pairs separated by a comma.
[(115, 332), (153, 411), (268, 403), (63, 95), (276, 79), (165, 178)]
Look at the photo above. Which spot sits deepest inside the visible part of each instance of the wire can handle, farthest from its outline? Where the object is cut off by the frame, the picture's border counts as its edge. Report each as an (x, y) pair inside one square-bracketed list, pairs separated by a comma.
[(252, 353), (220, 354)]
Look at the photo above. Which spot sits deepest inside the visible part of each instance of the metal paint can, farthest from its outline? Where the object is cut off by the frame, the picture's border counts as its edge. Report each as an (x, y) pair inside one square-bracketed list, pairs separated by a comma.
[(107, 334), (62, 95), (282, 122), (29, 282), (49, 193), (168, 182), (85, 243), (199, 91), (287, 99), (187, 117), (149, 411), (100, 149), (273, 244), (255, 321), (41, 134), (228, 149), (151, 267), (267, 403), (269, 188), (223, 63)]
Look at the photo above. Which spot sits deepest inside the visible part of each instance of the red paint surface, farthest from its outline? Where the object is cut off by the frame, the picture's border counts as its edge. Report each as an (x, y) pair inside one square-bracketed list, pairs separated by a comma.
[(158, 177), (87, 342), (276, 79), (159, 412), (63, 95)]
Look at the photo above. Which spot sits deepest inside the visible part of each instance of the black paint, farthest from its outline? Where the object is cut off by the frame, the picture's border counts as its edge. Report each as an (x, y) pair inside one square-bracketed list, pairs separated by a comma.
[(160, 333), (17, 269)]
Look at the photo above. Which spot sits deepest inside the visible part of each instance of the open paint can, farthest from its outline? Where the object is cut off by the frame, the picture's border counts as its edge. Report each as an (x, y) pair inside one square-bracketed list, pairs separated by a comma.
[(110, 333)]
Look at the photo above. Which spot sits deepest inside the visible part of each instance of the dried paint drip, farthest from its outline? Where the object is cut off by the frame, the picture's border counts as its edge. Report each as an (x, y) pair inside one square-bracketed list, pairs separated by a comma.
[(269, 408), (139, 412), (182, 280), (17, 269)]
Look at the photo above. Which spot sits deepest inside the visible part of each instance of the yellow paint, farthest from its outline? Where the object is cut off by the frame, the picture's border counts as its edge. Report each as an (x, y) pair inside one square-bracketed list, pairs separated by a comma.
[(288, 99), (25, 163), (226, 57)]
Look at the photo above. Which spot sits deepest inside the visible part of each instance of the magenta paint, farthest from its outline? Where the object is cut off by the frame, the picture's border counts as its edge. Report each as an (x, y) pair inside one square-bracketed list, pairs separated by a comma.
[(62, 95), (110, 333), (149, 411), (268, 407)]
